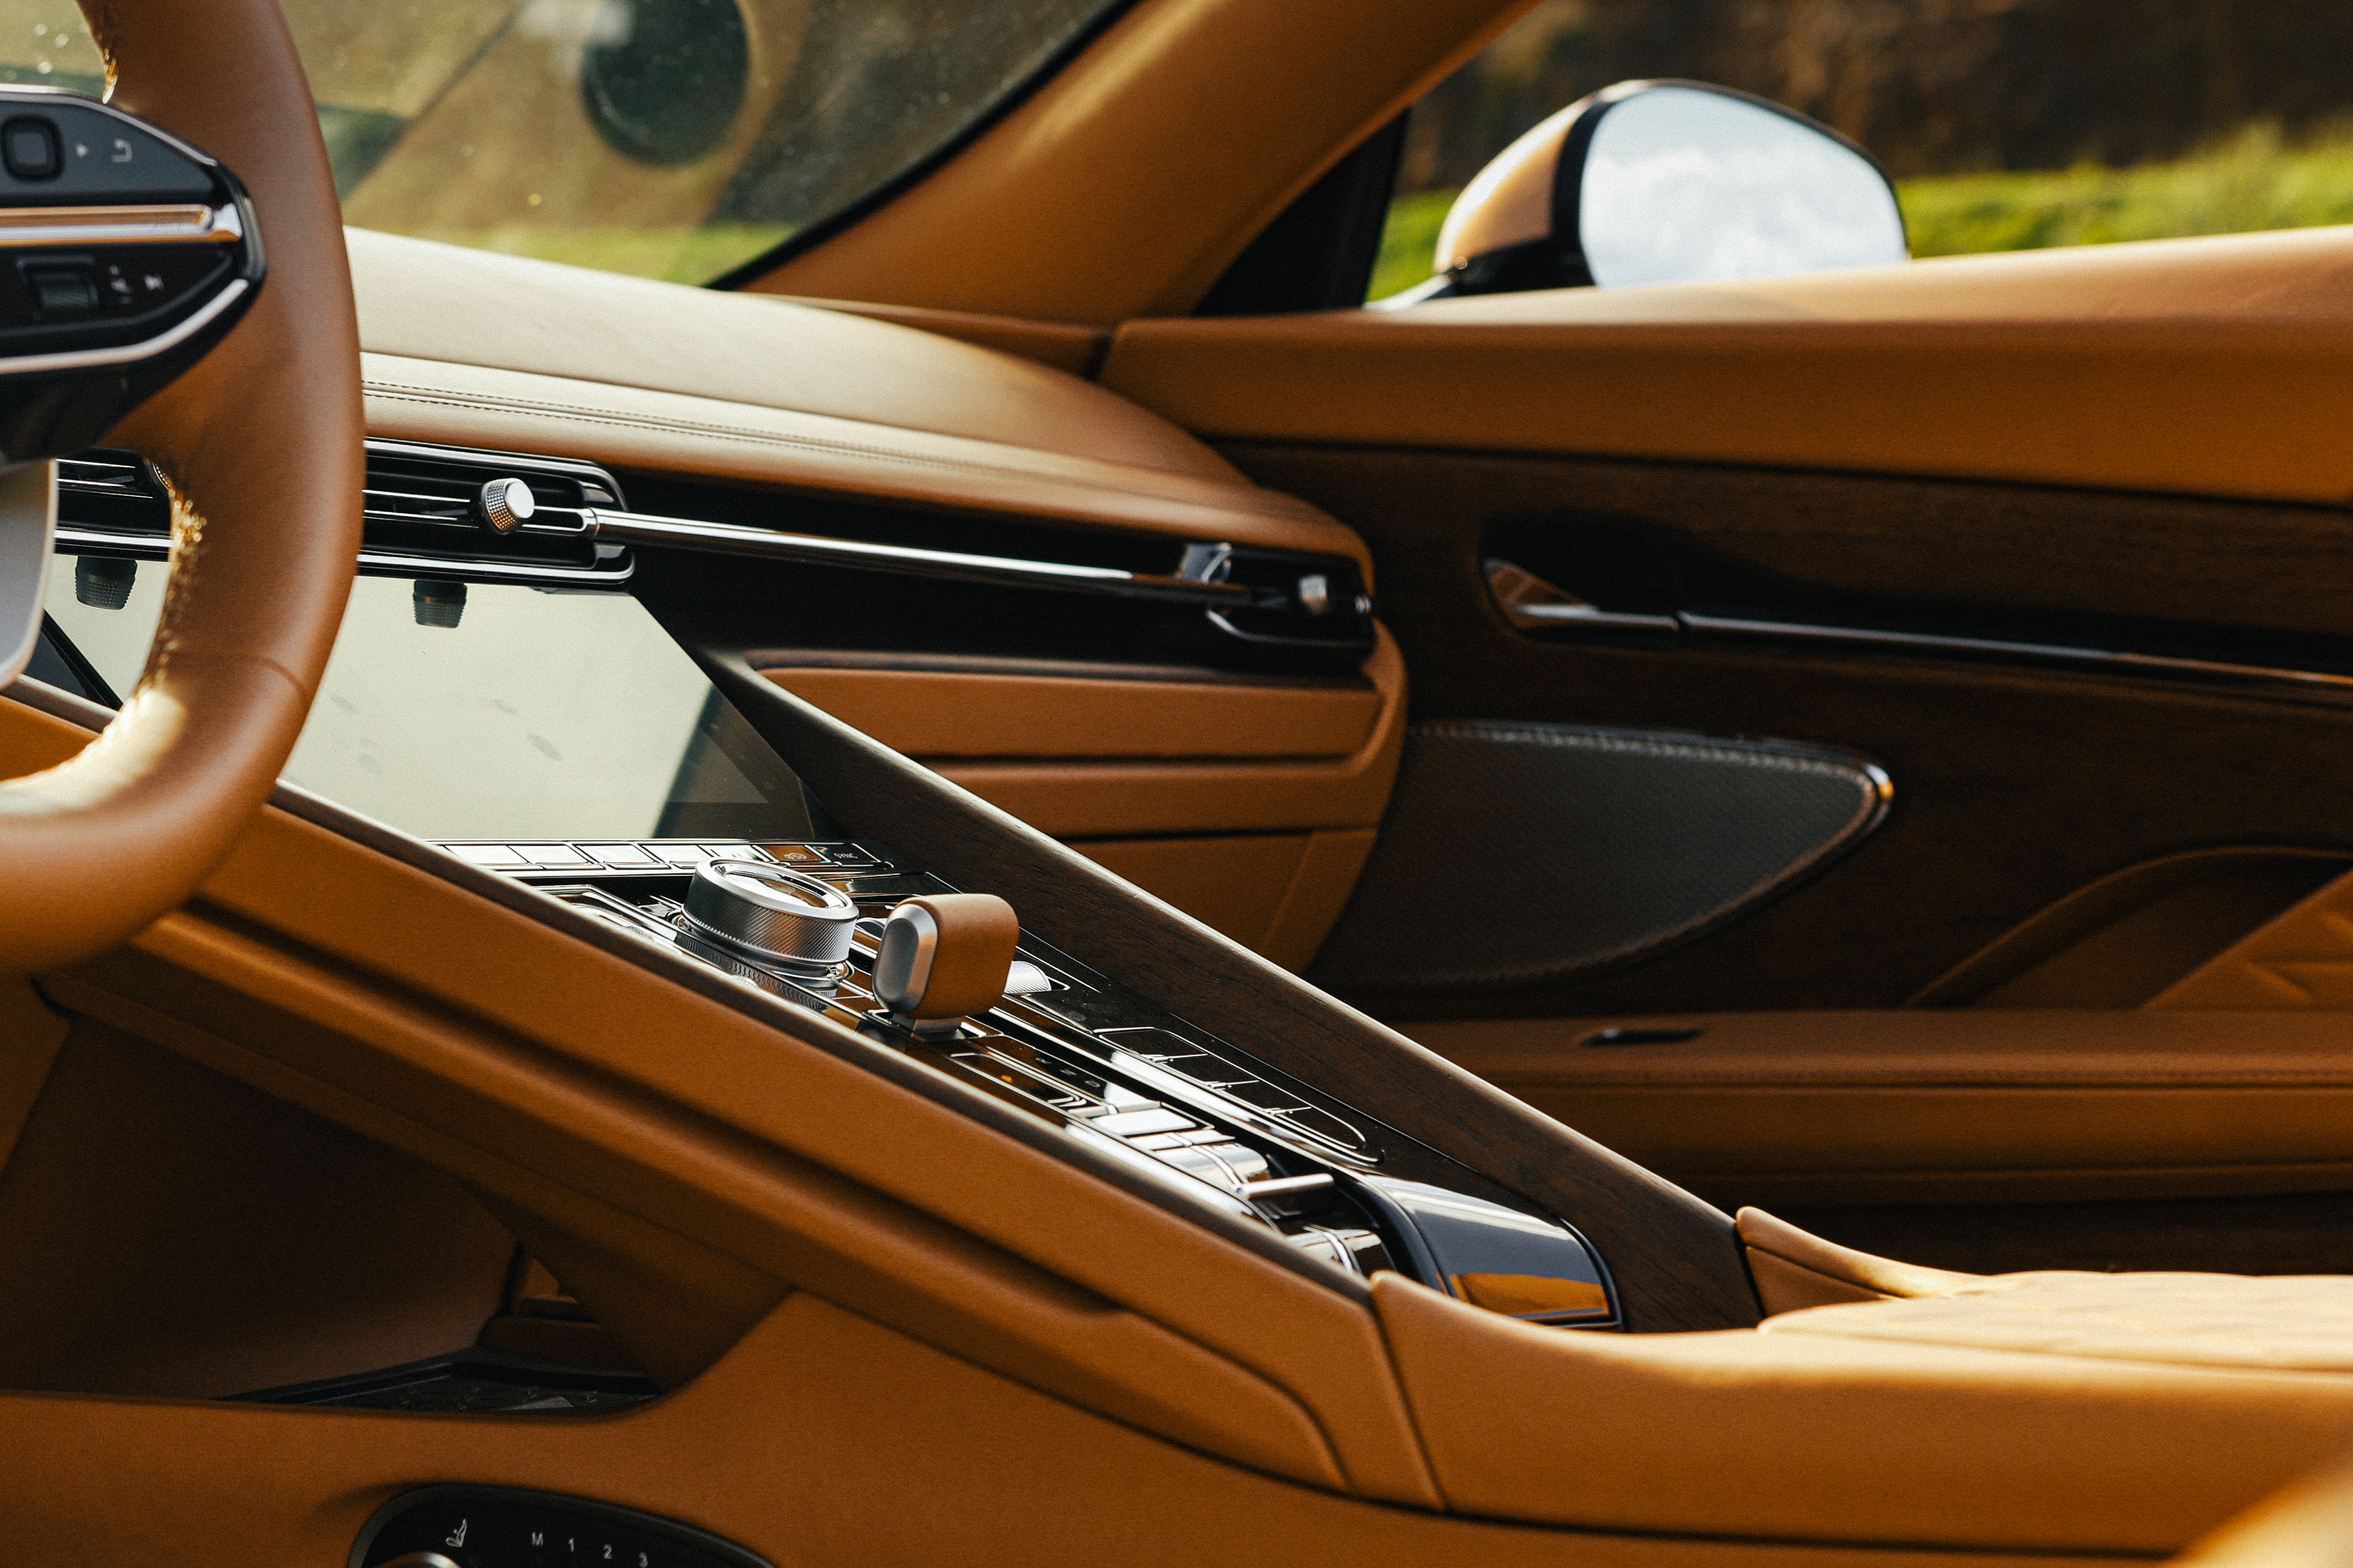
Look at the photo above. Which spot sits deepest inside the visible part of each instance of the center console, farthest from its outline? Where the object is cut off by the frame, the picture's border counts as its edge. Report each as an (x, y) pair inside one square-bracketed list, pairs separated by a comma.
[(812, 921)]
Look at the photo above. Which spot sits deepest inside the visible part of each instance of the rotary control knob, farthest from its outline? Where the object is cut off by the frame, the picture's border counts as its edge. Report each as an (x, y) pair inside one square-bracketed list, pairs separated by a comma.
[(507, 504), (782, 917)]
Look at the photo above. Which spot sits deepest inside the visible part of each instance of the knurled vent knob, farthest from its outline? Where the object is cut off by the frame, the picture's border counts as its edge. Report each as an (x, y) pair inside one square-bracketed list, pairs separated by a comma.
[(507, 504)]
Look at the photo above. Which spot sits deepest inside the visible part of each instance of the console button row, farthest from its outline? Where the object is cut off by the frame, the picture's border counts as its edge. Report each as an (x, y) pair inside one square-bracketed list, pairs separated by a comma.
[(650, 857), (1172, 1053)]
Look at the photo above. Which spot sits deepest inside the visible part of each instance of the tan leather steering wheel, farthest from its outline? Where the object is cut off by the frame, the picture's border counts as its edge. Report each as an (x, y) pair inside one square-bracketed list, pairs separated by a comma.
[(263, 441)]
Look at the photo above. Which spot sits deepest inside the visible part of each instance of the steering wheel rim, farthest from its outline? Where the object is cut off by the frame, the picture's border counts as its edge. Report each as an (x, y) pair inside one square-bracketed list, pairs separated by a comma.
[(261, 442)]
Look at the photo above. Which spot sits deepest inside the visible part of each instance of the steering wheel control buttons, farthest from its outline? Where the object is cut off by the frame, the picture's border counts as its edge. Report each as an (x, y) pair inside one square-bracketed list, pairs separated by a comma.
[(507, 504), (28, 146), (66, 292), (771, 912)]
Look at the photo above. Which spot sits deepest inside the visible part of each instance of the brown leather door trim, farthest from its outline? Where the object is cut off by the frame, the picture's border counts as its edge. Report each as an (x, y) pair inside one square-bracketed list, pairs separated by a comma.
[(1927, 1106), (954, 714)]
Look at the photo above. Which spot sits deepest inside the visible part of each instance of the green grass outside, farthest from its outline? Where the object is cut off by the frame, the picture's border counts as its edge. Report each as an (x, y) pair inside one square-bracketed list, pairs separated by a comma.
[(2255, 180)]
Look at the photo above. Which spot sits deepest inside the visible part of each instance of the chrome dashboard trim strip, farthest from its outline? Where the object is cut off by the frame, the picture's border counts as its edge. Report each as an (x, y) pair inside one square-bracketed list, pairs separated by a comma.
[(73, 540), (684, 533), (177, 222)]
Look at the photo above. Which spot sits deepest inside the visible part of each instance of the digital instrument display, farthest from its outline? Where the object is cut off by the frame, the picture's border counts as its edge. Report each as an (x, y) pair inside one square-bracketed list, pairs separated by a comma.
[(534, 715)]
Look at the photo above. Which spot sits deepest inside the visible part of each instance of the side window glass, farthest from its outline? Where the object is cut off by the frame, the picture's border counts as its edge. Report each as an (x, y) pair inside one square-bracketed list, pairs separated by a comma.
[(2011, 125)]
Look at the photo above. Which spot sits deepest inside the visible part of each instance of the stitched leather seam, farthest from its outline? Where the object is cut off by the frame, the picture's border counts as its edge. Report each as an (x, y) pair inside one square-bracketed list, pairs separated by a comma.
[(580, 415)]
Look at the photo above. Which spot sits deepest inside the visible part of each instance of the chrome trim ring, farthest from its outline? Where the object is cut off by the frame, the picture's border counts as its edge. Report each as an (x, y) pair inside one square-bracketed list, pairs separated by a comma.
[(771, 911)]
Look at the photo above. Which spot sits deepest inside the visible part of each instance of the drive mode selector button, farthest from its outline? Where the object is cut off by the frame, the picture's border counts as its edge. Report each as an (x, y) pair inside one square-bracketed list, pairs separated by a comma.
[(771, 912)]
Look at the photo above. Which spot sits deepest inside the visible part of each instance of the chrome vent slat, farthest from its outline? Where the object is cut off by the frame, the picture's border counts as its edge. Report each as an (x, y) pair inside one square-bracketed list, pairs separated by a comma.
[(419, 507)]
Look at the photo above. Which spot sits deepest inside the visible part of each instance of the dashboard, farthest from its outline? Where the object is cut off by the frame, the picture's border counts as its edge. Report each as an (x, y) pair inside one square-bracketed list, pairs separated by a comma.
[(502, 694)]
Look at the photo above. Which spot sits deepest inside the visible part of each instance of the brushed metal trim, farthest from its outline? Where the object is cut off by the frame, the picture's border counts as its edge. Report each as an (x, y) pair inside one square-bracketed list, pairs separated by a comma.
[(74, 540), (173, 223)]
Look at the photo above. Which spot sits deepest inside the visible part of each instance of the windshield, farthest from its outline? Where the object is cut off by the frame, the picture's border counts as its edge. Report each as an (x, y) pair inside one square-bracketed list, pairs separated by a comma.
[(673, 138)]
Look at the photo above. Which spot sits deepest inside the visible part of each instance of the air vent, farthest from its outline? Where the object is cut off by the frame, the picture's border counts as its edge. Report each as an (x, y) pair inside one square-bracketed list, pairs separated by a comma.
[(425, 515), (1301, 601), (438, 508)]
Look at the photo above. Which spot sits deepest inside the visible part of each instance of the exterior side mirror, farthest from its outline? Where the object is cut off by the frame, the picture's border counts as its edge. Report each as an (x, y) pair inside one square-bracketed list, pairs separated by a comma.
[(1667, 182)]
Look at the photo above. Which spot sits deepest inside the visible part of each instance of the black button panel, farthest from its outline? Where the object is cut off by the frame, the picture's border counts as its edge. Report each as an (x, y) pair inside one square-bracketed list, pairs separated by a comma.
[(491, 1527), (126, 283), (71, 149), (62, 290), (29, 148)]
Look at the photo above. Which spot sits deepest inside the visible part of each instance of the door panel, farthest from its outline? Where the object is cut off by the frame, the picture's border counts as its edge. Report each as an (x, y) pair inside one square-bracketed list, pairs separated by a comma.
[(2211, 366), (1911, 1107), (2016, 785), (2045, 538), (951, 713), (1248, 800)]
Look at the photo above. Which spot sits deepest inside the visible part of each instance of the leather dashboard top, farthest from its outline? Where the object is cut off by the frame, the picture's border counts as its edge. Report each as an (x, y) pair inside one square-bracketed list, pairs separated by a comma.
[(475, 349), (2210, 367)]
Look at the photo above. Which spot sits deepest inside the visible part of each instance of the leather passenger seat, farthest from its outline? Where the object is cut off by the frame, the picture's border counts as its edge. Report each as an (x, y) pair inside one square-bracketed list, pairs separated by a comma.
[(1809, 1286)]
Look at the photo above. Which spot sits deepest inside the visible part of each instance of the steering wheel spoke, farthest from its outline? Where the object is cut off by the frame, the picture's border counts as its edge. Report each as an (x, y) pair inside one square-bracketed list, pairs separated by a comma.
[(133, 306)]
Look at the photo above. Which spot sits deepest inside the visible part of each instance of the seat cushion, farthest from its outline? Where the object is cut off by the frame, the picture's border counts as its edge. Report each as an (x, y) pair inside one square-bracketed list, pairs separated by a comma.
[(2286, 1323)]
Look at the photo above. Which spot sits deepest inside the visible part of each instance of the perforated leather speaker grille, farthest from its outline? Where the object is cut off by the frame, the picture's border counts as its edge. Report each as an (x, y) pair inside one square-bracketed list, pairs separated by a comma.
[(1517, 853)]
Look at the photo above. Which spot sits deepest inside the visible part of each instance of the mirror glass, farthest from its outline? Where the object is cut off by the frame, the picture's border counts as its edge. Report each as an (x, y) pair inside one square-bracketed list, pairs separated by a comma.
[(1680, 186)]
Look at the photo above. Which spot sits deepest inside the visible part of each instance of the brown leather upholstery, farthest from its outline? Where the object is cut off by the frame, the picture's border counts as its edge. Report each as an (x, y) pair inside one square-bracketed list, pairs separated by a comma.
[(2308, 1525), (1794, 1270), (2211, 366), (1129, 181), (2300, 960), (937, 714), (421, 300), (262, 442), (1943, 1107), (1843, 1438), (2293, 1324), (977, 933)]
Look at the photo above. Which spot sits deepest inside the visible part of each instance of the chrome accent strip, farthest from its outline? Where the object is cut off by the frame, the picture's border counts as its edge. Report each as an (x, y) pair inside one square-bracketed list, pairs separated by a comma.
[(477, 569), (480, 569), (138, 546), (178, 223), (677, 532), (99, 359), (1599, 620), (2316, 682), (1275, 1186)]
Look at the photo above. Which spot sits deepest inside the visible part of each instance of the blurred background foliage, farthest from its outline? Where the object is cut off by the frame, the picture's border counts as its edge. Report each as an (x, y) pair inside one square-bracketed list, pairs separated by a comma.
[(2009, 124)]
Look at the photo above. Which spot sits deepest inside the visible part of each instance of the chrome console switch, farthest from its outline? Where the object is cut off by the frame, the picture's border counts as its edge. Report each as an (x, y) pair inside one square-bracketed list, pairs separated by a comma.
[(771, 912)]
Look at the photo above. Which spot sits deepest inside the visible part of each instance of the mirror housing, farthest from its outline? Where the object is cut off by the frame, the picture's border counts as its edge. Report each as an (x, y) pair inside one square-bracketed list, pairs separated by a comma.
[(1667, 182)]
